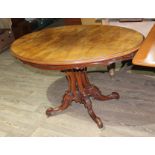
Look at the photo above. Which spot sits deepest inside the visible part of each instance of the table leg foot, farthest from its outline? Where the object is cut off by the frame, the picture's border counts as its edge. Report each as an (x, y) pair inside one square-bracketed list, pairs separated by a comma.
[(88, 105), (111, 69), (96, 94), (99, 122), (114, 95), (67, 99)]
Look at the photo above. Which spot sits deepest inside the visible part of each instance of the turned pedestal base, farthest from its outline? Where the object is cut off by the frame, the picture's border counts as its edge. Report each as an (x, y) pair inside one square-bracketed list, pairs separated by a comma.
[(80, 90)]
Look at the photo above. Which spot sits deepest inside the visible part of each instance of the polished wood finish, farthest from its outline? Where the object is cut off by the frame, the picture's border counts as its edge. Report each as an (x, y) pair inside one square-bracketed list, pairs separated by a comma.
[(146, 54), (71, 49), (79, 90), (76, 44)]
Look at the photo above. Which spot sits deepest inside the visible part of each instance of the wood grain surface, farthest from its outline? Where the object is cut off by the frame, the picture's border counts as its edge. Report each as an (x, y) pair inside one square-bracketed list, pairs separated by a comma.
[(76, 44), (146, 54)]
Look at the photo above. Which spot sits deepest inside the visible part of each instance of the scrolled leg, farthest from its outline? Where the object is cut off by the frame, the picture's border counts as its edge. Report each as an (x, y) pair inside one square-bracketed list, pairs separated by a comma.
[(67, 99), (114, 95), (80, 90), (88, 105), (96, 94)]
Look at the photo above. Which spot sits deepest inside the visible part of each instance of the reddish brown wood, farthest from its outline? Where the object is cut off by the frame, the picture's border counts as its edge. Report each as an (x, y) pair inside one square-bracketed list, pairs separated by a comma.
[(67, 98), (75, 48), (72, 21), (80, 90), (81, 65)]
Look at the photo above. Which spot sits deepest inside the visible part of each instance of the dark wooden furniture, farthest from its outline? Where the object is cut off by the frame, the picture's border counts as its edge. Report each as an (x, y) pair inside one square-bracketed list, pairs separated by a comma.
[(20, 27), (146, 54), (72, 49), (6, 38), (72, 21)]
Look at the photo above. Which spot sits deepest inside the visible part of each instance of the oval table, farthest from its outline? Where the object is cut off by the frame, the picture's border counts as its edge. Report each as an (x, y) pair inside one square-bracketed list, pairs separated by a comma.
[(71, 49)]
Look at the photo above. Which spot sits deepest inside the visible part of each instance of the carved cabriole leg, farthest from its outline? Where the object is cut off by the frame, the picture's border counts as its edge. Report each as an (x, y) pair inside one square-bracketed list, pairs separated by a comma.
[(67, 99), (69, 96), (86, 100), (95, 92), (80, 90)]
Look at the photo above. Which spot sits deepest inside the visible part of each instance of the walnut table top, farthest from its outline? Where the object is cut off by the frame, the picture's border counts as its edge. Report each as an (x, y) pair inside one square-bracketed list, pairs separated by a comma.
[(76, 44)]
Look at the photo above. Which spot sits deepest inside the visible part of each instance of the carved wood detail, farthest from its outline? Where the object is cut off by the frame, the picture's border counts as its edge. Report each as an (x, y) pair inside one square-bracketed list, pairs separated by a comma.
[(80, 90)]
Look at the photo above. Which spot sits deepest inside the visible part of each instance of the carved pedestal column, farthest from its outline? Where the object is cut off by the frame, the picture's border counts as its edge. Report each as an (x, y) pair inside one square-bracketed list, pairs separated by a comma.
[(80, 90)]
